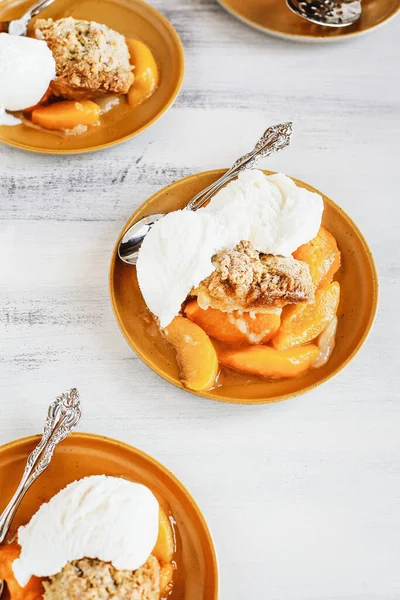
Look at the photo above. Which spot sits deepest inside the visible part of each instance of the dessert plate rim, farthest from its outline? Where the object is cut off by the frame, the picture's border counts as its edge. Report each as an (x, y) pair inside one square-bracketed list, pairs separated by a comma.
[(310, 33), (94, 444), (153, 17)]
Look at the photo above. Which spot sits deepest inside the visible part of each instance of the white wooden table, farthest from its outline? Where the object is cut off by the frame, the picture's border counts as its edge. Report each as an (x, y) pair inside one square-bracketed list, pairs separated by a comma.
[(302, 497)]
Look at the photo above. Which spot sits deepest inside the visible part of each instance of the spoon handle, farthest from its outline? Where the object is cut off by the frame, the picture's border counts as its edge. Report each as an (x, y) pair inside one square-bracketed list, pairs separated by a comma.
[(63, 415), (274, 139), (37, 8)]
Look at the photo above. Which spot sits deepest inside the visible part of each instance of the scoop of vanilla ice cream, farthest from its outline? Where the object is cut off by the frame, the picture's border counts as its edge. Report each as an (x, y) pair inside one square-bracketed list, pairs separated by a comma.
[(271, 212), (175, 256), (27, 67), (101, 517)]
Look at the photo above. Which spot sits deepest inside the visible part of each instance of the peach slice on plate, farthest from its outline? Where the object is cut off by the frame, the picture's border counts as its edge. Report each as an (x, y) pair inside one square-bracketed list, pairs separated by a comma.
[(270, 363), (235, 327), (302, 323), (67, 115), (164, 548), (322, 256), (146, 73), (195, 354), (166, 575)]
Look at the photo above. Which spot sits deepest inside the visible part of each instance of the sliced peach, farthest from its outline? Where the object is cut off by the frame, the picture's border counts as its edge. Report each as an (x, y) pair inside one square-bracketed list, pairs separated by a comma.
[(166, 575), (302, 323), (195, 354), (146, 73), (32, 591), (326, 343), (67, 115), (270, 363), (214, 322), (164, 548), (234, 327), (322, 256)]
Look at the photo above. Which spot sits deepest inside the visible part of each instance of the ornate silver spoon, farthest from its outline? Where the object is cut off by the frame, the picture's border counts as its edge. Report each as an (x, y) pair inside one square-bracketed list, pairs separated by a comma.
[(274, 139), (63, 414), (20, 26), (330, 13)]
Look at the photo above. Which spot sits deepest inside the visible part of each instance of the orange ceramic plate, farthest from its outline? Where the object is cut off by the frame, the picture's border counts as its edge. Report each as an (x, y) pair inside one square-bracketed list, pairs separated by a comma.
[(275, 18), (359, 297), (134, 19), (83, 454)]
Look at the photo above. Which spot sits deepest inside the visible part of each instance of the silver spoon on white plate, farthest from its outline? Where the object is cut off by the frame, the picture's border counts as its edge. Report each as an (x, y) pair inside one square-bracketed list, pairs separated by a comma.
[(63, 414), (274, 139)]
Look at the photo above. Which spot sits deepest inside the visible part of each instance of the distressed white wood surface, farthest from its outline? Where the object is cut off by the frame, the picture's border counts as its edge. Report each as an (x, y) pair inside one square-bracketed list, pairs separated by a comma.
[(302, 497)]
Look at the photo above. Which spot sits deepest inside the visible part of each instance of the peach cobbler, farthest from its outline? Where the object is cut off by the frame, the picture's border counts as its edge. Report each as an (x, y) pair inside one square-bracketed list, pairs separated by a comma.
[(84, 69), (245, 284), (91, 59), (101, 538)]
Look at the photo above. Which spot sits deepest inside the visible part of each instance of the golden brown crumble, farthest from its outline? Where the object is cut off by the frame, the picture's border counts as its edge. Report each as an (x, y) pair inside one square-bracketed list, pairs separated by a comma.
[(244, 279), (91, 59), (92, 579)]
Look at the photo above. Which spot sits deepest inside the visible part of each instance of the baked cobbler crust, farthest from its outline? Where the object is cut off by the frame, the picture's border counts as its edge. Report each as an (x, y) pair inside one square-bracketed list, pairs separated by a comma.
[(244, 279), (92, 579), (91, 59)]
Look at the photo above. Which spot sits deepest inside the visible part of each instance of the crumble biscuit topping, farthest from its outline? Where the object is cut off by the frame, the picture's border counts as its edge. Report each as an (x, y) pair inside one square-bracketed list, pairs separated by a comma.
[(92, 579), (244, 279), (91, 59)]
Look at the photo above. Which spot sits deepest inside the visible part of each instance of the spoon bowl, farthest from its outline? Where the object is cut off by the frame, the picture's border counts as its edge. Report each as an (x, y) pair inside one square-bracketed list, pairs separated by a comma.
[(20, 26), (328, 13), (128, 249)]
